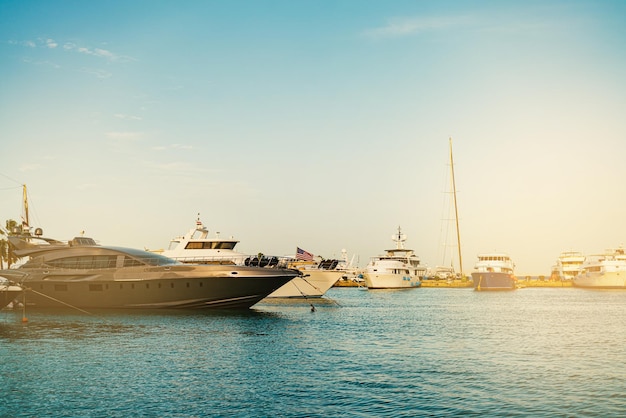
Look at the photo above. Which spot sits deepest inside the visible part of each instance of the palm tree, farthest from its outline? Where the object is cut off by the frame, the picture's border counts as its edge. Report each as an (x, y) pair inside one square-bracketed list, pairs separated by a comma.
[(4, 245), (6, 248)]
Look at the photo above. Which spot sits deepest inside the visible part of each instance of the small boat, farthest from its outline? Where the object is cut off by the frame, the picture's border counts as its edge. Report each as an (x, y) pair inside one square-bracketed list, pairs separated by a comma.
[(317, 277), (494, 271), (83, 274), (8, 292), (444, 273), (603, 271), (399, 268), (567, 266)]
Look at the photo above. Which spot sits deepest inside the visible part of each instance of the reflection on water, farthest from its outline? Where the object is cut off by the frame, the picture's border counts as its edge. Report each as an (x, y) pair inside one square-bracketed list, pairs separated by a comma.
[(358, 353)]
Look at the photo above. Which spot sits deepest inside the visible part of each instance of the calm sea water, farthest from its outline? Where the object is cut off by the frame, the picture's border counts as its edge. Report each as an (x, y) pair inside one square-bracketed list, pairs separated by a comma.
[(419, 352)]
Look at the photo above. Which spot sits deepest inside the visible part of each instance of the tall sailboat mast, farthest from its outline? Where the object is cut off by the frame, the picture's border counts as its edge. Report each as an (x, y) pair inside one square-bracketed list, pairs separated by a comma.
[(25, 220), (456, 210)]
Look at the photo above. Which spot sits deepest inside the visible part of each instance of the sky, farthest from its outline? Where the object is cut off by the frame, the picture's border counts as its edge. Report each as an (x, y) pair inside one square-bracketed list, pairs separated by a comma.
[(319, 124)]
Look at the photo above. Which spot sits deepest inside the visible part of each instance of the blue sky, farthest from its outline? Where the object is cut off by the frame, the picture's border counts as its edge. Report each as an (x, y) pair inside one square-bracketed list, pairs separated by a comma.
[(319, 124)]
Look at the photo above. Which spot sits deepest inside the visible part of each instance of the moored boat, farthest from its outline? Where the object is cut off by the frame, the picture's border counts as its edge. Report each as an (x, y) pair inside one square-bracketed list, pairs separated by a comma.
[(494, 271), (603, 271), (398, 268), (82, 274), (567, 266), (198, 248), (8, 292), (318, 275)]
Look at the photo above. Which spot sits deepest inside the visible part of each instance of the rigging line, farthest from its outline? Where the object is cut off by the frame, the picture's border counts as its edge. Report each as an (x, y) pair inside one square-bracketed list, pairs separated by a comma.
[(314, 287), (9, 178), (309, 283), (60, 301), (456, 210), (301, 292), (446, 217)]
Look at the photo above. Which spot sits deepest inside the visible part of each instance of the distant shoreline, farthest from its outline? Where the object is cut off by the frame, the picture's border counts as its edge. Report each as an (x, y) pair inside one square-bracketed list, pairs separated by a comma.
[(434, 283)]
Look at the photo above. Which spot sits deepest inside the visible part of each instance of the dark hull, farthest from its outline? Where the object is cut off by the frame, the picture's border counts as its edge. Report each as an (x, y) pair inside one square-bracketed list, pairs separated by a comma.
[(8, 295), (85, 275), (493, 281), (183, 293)]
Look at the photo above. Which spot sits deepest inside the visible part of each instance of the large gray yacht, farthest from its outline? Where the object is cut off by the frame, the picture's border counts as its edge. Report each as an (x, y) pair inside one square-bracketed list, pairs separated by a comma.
[(83, 274)]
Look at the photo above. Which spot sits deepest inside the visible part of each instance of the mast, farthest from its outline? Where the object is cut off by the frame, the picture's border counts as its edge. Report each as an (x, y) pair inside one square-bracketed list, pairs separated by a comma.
[(456, 210), (25, 220)]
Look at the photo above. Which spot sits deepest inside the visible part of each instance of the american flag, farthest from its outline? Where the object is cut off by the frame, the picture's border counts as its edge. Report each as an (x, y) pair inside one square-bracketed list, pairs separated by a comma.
[(303, 255)]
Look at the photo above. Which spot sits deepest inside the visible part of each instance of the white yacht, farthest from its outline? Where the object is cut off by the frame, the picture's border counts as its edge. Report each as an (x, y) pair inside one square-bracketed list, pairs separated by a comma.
[(567, 266), (398, 268), (494, 271), (603, 271), (196, 247)]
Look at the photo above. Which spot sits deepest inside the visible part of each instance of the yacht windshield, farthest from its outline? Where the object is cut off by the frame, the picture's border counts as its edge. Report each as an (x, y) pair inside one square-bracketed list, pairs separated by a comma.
[(146, 257)]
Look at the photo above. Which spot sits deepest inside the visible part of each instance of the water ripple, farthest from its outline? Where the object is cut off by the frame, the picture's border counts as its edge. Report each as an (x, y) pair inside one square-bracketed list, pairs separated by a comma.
[(424, 352)]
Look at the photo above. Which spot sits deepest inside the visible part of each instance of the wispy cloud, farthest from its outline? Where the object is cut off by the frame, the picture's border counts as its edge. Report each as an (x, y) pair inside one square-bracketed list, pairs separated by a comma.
[(124, 142), (172, 146), (126, 117), (30, 167), (42, 63), (50, 43), (29, 44), (34, 165), (99, 73), (178, 166), (408, 26), (125, 136)]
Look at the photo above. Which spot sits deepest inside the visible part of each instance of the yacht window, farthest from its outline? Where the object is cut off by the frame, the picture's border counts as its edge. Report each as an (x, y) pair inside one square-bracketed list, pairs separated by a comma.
[(194, 246), (131, 262), (140, 257), (224, 245), (95, 287), (60, 288), (84, 262)]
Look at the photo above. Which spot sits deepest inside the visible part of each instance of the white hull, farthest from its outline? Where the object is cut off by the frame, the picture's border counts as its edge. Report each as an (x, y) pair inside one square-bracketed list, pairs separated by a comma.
[(399, 268), (313, 285), (606, 280), (567, 266), (390, 281)]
